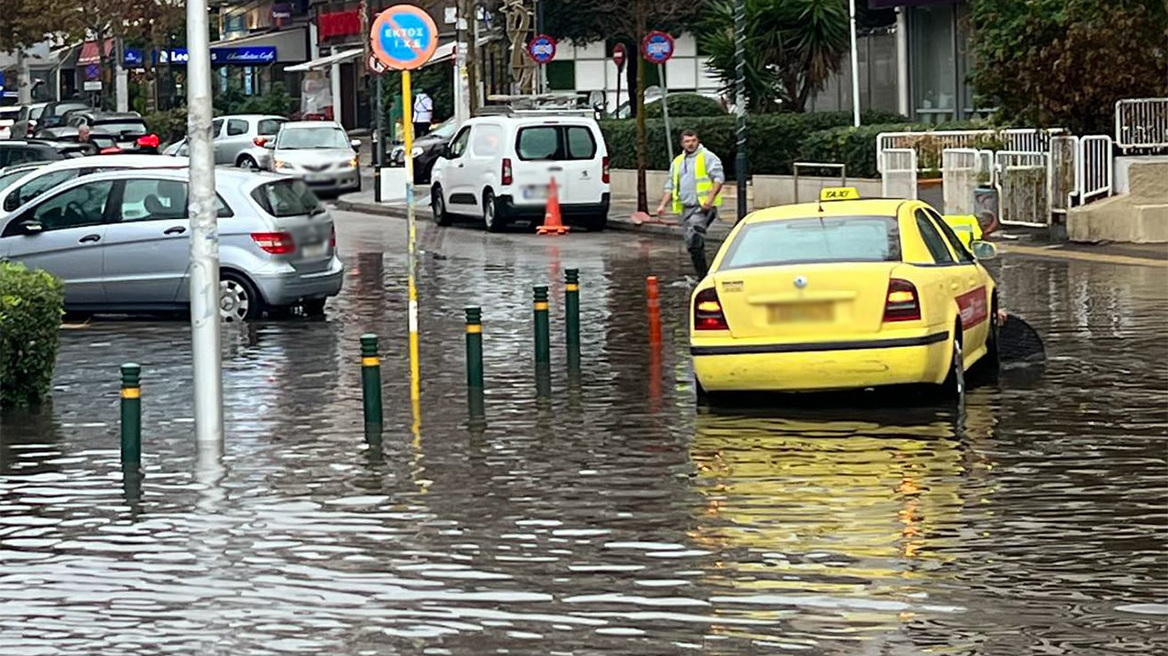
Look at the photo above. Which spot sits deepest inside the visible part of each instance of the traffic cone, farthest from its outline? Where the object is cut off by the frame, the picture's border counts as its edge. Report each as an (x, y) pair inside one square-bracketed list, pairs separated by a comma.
[(553, 224)]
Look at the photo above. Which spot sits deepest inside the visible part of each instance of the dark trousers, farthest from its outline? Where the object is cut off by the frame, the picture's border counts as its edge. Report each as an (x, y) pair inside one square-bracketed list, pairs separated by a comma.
[(420, 129), (694, 221)]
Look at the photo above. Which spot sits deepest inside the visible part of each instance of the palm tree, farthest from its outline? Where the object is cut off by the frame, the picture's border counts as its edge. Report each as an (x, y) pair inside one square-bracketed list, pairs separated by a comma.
[(792, 48)]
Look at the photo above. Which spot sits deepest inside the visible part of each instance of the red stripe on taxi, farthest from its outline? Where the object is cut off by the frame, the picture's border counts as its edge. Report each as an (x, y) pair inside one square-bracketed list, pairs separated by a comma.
[(974, 307)]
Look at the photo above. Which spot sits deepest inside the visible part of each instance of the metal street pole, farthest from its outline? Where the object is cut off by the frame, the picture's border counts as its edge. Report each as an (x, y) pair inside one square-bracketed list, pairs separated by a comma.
[(412, 245), (740, 101), (855, 67), (379, 141), (665, 110), (204, 285)]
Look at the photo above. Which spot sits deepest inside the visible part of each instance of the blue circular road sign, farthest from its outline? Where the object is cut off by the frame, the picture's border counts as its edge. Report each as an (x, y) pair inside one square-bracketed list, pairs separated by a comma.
[(657, 47), (404, 37), (542, 48)]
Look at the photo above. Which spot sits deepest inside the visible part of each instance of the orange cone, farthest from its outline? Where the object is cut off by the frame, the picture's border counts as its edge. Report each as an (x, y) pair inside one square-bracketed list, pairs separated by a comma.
[(553, 223)]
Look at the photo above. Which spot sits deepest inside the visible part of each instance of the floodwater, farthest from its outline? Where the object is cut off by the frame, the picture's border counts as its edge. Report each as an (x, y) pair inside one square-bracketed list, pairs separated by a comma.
[(610, 518)]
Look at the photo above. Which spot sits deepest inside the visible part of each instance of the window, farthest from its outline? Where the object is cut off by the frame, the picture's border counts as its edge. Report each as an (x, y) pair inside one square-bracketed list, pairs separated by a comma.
[(121, 127), (145, 199), (581, 143), (76, 121), (458, 146), (963, 254), (837, 239), (314, 137), (487, 141), (538, 143), (83, 205), (287, 198), (37, 186), (269, 126), (236, 127), (216, 125), (933, 240)]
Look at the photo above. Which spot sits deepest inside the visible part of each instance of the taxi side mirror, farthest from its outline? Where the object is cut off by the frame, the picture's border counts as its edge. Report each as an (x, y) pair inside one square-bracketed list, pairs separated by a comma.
[(984, 250)]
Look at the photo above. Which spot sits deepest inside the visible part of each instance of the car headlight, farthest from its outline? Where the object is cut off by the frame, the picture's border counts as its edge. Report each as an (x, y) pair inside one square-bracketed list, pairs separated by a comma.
[(415, 151), (353, 163), (281, 165)]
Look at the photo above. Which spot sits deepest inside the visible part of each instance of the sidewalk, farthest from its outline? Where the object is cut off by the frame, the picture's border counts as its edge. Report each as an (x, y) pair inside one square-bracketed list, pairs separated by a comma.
[(619, 215)]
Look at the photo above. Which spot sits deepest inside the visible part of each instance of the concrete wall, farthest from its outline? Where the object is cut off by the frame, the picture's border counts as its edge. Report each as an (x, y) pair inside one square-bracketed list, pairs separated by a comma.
[(1140, 216), (771, 190)]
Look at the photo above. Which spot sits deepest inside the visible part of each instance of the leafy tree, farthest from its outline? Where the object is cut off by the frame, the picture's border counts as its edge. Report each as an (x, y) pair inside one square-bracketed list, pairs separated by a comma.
[(24, 23), (792, 48), (625, 21), (1064, 63)]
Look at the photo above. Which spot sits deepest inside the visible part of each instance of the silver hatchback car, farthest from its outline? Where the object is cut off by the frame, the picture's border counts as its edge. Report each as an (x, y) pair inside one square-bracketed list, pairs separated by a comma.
[(120, 242)]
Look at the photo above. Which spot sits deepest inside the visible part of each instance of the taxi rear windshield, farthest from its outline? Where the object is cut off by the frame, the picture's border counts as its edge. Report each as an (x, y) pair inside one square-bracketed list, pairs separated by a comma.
[(801, 241)]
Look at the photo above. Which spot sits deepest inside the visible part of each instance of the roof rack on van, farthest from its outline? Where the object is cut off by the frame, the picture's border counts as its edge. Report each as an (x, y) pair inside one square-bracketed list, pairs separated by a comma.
[(545, 104)]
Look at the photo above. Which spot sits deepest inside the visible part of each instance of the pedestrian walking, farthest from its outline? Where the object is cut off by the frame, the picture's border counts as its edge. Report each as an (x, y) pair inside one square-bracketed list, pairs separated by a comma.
[(694, 190), (423, 113)]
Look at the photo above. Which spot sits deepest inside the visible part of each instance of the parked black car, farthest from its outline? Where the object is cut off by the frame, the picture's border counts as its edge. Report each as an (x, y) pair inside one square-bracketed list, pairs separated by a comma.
[(54, 114), (427, 149), (127, 129), (19, 151)]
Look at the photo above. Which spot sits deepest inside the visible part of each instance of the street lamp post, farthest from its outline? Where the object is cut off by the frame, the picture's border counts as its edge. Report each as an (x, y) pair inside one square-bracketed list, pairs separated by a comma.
[(204, 285), (740, 102), (855, 67)]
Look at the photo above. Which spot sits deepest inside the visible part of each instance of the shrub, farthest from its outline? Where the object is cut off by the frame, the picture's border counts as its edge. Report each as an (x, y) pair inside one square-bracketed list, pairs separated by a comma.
[(856, 147), (775, 140), (31, 304), (686, 104), (170, 125)]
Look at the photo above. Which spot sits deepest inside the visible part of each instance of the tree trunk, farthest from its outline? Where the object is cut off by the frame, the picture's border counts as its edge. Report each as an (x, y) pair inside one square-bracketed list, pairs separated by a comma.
[(23, 79), (642, 145)]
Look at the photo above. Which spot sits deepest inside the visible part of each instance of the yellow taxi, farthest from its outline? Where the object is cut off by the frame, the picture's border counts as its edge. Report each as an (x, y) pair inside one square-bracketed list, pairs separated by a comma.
[(843, 293)]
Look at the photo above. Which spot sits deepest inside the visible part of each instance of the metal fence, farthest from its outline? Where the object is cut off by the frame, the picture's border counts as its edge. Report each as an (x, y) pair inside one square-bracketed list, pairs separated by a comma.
[(930, 145), (1064, 173), (1093, 167), (900, 173), (962, 169), (1141, 123), (1023, 188)]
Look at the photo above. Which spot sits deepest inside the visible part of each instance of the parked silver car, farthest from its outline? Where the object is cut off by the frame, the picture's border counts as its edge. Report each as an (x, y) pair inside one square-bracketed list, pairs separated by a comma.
[(239, 140), (120, 242), (320, 153)]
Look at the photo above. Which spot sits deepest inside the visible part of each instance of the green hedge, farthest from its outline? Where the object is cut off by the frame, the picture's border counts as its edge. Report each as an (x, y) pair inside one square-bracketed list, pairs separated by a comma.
[(686, 104), (31, 304), (775, 140), (856, 147), (170, 125)]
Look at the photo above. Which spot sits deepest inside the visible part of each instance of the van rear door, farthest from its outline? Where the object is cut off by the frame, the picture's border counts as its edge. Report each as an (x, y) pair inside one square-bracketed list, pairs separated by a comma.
[(569, 153)]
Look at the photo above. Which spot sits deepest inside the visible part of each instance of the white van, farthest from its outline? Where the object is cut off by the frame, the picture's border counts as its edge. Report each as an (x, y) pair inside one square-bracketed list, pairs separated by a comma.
[(499, 168)]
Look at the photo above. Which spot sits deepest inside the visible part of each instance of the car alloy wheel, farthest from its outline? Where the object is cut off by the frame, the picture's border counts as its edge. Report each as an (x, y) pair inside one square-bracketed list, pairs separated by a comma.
[(235, 300), (249, 164), (956, 380)]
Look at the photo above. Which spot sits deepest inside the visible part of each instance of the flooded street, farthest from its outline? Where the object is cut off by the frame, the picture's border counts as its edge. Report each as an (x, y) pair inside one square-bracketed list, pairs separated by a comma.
[(611, 518)]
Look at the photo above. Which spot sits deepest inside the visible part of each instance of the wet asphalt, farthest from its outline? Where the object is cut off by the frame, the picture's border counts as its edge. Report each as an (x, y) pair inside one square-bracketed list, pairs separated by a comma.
[(610, 518)]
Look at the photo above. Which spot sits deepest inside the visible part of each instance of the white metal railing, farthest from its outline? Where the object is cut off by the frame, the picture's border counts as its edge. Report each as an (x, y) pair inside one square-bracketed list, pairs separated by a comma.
[(1023, 188), (1141, 123), (900, 175), (1064, 173), (962, 170), (934, 142), (1093, 167)]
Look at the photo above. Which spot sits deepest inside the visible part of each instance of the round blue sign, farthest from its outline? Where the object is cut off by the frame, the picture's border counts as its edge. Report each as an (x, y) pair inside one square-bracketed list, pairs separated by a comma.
[(542, 48), (404, 37), (657, 47)]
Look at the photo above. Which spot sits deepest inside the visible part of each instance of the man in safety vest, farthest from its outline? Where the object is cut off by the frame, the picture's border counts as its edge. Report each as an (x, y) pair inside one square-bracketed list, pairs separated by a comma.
[(694, 188)]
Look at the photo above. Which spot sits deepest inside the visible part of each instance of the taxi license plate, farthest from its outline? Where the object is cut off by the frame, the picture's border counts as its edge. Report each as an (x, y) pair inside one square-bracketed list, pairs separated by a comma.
[(802, 313), (313, 251)]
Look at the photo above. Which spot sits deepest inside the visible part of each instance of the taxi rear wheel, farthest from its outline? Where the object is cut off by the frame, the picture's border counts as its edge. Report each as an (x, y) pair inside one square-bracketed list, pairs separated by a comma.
[(993, 355), (703, 397), (954, 386)]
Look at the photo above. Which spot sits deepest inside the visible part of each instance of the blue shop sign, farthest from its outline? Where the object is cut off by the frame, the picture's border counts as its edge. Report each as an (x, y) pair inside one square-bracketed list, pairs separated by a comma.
[(132, 58), (244, 55), (172, 56)]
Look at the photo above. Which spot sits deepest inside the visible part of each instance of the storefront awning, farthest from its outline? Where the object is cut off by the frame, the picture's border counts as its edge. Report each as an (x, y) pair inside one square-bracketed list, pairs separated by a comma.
[(325, 62), (289, 44), (90, 55)]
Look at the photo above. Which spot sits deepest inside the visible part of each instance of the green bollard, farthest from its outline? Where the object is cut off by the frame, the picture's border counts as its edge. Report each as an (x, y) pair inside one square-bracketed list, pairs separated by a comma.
[(572, 315), (543, 351), (371, 380), (131, 415), (474, 348)]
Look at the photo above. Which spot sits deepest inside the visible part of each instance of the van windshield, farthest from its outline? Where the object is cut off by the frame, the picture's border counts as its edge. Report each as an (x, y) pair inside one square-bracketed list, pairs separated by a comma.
[(831, 239), (305, 138)]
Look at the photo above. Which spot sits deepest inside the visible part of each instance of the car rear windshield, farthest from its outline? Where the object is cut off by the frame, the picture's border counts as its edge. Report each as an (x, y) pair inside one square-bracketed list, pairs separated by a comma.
[(830, 239), (555, 142), (287, 198), (269, 126), (119, 127), (62, 109)]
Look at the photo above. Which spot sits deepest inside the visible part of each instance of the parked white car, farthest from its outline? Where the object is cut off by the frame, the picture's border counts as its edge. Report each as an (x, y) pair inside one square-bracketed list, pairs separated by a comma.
[(320, 153), (499, 168), (41, 179), (8, 116)]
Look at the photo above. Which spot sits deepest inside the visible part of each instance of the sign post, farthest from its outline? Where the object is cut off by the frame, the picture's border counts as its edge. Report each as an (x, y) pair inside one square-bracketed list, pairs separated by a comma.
[(618, 58), (657, 48), (404, 37), (542, 49)]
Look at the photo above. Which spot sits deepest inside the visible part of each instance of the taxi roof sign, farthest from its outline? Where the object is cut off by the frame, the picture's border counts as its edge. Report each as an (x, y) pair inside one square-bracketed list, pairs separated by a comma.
[(839, 193)]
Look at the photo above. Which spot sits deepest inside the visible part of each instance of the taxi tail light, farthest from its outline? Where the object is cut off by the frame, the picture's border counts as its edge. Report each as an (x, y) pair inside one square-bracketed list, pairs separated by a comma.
[(708, 313), (276, 243), (506, 173), (604, 173), (902, 302), (148, 141)]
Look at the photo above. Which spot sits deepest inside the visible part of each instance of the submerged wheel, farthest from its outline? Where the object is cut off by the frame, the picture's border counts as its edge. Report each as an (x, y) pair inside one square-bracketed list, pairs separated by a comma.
[(954, 386), (238, 299)]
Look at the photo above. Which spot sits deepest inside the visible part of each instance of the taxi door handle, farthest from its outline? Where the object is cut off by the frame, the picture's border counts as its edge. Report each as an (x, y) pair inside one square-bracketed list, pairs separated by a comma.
[(953, 286)]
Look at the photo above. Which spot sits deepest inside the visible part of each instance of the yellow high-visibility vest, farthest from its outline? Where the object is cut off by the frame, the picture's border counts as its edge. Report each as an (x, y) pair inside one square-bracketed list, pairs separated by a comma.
[(701, 177)]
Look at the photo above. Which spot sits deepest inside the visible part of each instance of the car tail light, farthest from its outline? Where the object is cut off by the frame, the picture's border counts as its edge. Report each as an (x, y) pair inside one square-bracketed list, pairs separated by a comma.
[(902, 303), (604, 170), (110, 150), (148, 141), (708, 313), (276, 243), (333, 239), (259, 141), (507, 171)]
